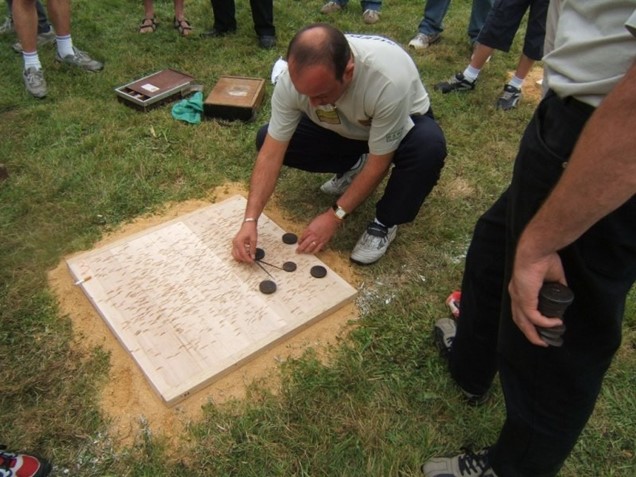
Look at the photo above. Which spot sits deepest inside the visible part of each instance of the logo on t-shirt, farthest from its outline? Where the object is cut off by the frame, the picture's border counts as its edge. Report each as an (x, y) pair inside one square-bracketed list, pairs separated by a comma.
[(328, 116), (394, 135)]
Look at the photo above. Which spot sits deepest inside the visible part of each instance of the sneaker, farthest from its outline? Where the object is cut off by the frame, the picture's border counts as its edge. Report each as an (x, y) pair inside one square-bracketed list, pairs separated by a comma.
[(373, 244), (453, 302), (81, 60), (22, 465), (456, 83), (509, 98), (45, 38), (421, 41), (338, 184), (267, 42), (331, 7), (371, 16), (468, 464), (35, 82), (7, 27)]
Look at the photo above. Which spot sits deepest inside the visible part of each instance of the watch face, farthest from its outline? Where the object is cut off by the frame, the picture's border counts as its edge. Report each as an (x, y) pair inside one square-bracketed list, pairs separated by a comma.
[(340, 212)]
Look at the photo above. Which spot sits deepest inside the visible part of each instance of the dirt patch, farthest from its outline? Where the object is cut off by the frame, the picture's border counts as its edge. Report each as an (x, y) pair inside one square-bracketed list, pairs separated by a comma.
[(128, 400)]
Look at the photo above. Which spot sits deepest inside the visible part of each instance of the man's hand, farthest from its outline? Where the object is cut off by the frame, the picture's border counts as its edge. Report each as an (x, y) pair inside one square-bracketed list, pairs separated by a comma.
[(318, 233), (244, 243), (527, 278)]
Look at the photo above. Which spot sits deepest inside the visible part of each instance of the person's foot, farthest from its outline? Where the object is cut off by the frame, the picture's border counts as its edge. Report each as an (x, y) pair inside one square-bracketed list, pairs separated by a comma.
[(22, 465), (45, 38), (80, 59), (509, 98), (421, 41), (35, 82), (468, 464), (456, 83), (370, 16), (7, 26), (373, 244), (216, 33), (331, 7), (267, 41), (338, 184)]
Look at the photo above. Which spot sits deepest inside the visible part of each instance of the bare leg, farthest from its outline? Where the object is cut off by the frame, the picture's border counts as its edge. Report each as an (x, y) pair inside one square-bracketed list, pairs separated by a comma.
[(481, 53), (524, 66), (25, 19)]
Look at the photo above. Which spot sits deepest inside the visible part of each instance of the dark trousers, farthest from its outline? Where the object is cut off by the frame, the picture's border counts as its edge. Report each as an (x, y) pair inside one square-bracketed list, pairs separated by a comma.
[(417, 162), (550, 392), (262, 15)]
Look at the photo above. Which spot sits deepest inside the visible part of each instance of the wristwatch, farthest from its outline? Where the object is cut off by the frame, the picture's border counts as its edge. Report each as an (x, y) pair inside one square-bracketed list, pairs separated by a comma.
[(339, 211)]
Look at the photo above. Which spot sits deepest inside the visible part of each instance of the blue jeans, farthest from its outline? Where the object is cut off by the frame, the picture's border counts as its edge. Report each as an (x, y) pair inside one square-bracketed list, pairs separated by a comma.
[(366, 4), (550, 392), (435, 11)]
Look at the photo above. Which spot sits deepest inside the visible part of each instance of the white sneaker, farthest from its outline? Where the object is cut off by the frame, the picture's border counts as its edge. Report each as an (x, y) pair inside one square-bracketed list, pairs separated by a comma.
[(373, 244), (468, 464), (46, 38), (338, 184), (422, 41), (35, 82), (370, 17), (7, 27)]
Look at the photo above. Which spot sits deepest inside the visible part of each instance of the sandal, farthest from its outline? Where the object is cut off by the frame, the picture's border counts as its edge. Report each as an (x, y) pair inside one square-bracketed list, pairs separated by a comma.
[(148, 25), (183, 26)]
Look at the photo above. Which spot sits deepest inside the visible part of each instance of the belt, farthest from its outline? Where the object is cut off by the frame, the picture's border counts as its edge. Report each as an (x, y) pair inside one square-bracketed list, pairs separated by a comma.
[(572, 103)]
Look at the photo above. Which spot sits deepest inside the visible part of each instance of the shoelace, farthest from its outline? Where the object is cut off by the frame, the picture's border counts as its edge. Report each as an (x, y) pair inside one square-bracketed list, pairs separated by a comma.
[(473, 461)]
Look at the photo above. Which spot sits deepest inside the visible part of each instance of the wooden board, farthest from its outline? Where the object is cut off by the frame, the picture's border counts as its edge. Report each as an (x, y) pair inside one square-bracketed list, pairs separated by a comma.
[(186, 311), (235, 97)]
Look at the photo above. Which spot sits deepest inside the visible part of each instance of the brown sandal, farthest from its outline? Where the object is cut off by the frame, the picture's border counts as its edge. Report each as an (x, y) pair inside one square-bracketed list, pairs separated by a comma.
[(148, 25), (183, 26)]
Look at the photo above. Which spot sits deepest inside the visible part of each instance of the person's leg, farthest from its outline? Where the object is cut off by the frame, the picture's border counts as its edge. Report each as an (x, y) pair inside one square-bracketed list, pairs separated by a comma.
[(550, 392), (534, 39), (316, 149), (502, 23), (43, 22), (478, 15), (417, 164), (434, 13), (25, 19), (149, 8), (263, 17), (60, 16), (224, 15)]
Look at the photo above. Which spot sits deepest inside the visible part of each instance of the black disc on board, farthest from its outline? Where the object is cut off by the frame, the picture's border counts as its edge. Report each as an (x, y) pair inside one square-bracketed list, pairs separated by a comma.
[(260, 254), (318, 271), (290, 238), (289, 266), (267, 287)]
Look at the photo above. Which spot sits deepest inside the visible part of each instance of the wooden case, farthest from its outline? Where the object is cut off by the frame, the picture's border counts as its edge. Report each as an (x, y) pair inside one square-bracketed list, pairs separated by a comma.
[(156, 89), (235, 97)]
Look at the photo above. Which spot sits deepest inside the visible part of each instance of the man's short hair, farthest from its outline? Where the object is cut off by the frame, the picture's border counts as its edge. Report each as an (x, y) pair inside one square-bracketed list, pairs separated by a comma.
[(333, 50)]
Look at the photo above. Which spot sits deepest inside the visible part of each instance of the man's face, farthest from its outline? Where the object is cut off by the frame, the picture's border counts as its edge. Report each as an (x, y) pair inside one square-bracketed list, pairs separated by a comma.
[(319, 84)]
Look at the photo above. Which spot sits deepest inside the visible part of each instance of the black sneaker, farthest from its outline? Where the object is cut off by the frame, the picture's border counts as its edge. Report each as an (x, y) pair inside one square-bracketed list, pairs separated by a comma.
[(22, 465), (456, 83), (509, 98), (468, 464)]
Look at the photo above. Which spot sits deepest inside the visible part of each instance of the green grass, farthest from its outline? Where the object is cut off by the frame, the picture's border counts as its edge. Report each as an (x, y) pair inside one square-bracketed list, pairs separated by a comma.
[(382, 403)]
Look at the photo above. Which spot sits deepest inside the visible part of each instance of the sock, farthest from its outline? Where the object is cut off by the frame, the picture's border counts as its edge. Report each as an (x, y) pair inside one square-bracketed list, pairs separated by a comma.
[(516, 82), (471, 73), (376, 221), (31, 60), (64, 45)]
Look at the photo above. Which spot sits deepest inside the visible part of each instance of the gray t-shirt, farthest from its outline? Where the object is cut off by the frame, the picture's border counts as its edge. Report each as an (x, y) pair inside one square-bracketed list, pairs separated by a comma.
[(385, 90), (594, 46)]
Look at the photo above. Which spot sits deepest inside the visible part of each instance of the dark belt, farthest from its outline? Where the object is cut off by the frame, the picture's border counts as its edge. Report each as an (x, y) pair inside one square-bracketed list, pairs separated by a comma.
[(572, 103)]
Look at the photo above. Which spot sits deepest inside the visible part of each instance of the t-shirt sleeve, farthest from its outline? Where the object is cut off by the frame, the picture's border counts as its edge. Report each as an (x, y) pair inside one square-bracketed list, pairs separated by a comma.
[(286, 113)]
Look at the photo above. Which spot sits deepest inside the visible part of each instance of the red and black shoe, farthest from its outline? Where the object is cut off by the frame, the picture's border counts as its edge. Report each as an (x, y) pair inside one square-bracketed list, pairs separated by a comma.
[(22, 465)]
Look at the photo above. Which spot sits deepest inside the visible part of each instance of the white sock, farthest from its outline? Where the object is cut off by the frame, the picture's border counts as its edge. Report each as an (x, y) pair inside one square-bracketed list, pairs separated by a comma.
[(31, 60), (379, 223), (64, 45), (471, 73), (516, 82)]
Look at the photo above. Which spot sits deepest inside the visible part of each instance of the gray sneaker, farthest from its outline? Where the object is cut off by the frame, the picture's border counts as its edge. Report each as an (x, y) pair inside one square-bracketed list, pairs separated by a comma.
[(422, 41), (46, 38), (81, 60), (7, 27), (468, 464), (34, 82), (338, 184), (455, 83), (509, 98), (373, 244)]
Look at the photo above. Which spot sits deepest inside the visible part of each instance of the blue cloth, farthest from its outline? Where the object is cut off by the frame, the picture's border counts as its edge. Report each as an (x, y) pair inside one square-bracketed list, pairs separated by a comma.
[(435, 11), (189, 109)]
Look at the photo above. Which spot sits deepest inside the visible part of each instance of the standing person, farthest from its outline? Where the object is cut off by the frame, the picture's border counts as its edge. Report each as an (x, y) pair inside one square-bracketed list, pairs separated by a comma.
[(370, 9), (26, 21), (22, 465), (262, 16), (431, 27), (46, 34), (149, 23), (353, 105), (574, 225), (498, 33)]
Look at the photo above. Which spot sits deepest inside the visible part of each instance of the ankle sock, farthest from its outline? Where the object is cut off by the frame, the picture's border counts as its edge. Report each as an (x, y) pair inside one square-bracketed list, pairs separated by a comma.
[(516, 82), (376, 221), (31, 60), (471, 73), (64, 45)]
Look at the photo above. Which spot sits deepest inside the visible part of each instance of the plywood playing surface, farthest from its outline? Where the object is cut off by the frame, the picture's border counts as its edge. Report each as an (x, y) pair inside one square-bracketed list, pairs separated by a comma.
[(186, 311)]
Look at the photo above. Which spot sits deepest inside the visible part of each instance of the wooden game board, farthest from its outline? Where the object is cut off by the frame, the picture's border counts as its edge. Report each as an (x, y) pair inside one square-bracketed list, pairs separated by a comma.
[(186, 311)]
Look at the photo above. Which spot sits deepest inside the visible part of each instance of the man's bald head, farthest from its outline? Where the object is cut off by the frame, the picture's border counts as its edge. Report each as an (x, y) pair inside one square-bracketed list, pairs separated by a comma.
[(320, 44)]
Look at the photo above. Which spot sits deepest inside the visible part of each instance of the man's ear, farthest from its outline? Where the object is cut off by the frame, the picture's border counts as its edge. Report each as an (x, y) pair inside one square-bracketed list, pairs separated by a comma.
[(348, 72)]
